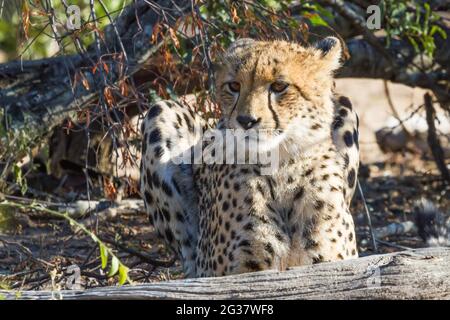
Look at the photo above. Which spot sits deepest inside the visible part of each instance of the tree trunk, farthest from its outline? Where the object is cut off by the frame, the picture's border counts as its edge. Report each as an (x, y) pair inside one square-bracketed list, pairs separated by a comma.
[(414, 274)]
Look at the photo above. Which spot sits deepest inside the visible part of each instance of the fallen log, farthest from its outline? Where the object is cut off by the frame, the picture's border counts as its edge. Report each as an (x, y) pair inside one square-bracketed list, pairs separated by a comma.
[(412, 274)]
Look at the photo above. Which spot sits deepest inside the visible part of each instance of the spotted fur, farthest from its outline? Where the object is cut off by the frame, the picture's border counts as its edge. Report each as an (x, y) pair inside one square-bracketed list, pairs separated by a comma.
[(230, 218)]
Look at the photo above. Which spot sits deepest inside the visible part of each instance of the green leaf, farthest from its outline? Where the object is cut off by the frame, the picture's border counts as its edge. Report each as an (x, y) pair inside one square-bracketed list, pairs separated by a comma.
[(103, 255), (20, 180), (272, 3), (416, 29), (427, 17), (317, 20), (429, 46), (114, 266), (123, 274), (414, 44), (436, 28), (325, 12), (17, 173), (417, 14)]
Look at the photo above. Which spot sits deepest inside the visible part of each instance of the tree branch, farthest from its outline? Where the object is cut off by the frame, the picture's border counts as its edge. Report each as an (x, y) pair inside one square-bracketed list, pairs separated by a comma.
[(35, 96), (400, 62), (433, 139), (366, 62)]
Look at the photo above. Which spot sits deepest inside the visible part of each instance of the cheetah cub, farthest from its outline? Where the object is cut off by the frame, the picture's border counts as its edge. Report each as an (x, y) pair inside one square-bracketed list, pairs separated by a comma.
[(227, 218)]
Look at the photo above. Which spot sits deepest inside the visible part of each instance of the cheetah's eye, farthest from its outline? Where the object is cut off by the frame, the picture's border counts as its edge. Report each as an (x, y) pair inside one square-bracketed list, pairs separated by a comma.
[(278, 86), (234, 86)]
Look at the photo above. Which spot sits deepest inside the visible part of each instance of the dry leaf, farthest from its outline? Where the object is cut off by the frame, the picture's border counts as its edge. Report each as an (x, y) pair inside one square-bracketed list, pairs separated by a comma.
[(123, 88), (84, 81), (167, 57), (109, 189), (105, 67), (174, 38), (234, 15), (155, 33), (107, 93), (26, 19)]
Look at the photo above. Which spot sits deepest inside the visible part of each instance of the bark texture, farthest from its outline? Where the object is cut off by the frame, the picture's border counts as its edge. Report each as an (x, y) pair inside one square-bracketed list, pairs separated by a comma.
[(415, 274)]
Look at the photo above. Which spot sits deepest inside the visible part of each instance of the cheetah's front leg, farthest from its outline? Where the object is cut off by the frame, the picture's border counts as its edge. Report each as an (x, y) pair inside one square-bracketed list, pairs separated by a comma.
[(325, 228), (241, 230), (325, 234), (167, 187)]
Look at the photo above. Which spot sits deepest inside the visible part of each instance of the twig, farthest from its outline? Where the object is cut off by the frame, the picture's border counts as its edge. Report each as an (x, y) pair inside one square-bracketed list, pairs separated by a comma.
[(369, 220), (358, 22), (140, 255), (20, 274), (104, 249), (26, 251), (394, 111), (86, 260), (40, 281), (394, 245), (395, 229), (83, 208), (433, 139), (94, 275)]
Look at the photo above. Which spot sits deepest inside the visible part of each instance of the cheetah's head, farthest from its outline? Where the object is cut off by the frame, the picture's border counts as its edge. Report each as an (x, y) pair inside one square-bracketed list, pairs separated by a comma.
[(280, 88)]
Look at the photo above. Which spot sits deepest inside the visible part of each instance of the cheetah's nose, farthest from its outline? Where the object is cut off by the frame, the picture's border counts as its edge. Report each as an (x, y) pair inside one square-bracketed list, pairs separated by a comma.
[(247, 122)]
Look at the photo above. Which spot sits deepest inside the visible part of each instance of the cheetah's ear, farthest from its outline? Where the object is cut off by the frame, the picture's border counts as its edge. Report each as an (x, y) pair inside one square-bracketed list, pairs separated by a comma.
[(331, 50)]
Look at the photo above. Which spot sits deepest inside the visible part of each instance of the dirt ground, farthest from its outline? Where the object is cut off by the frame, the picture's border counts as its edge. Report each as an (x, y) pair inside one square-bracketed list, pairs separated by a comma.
[(39, 252)]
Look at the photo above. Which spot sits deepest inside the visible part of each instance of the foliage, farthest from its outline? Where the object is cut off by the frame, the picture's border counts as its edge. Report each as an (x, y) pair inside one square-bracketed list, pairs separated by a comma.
[(26, 32), (413, 20), (200, 36), (12, 143)]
